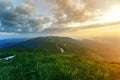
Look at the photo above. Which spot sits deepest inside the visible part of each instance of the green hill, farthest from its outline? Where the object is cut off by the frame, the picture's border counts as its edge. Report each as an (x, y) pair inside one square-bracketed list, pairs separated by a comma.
[(43, 65), (56, 44), (55, 58)]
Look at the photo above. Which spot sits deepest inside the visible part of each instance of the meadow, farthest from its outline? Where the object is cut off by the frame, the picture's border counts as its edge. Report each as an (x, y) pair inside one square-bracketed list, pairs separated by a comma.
[(44, 65)]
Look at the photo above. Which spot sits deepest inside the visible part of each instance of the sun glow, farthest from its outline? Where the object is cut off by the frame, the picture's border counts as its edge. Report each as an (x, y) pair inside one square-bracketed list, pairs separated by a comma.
[(112, 15)]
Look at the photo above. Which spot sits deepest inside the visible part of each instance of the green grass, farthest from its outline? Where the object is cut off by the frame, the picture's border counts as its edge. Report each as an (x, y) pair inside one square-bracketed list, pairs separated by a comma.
[(43, 65)]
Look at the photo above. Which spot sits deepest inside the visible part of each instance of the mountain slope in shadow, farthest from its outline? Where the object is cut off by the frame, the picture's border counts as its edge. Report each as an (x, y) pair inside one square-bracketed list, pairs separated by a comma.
[(56, 44)]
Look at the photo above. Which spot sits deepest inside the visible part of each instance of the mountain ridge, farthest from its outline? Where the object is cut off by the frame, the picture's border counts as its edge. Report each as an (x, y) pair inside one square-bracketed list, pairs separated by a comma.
[(55, 44)]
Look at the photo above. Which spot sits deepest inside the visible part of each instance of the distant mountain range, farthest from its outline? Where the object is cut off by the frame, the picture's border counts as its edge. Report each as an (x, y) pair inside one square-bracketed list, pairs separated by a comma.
[(9, 42)]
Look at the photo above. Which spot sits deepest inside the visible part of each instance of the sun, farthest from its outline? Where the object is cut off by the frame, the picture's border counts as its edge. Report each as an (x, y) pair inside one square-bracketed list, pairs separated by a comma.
[(112, 15)]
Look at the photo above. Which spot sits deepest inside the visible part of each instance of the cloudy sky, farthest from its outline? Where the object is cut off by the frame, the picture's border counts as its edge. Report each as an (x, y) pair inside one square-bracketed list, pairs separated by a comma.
[(73, 18)]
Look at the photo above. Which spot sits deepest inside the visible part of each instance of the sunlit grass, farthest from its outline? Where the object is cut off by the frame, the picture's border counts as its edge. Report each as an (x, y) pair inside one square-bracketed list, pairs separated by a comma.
[(43, 65)]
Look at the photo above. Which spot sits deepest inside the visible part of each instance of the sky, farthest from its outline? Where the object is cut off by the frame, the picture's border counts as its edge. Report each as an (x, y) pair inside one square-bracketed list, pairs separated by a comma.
[(72, 18)]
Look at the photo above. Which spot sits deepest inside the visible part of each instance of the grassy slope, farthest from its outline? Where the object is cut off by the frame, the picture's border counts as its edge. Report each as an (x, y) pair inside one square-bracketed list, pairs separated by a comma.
[(54, 44), (43, 65)]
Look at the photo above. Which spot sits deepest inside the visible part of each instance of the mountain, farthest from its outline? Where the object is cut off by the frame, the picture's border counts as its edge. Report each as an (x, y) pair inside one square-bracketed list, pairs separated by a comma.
[(9, 42), (62, 58), (69, 45), (55, 44)]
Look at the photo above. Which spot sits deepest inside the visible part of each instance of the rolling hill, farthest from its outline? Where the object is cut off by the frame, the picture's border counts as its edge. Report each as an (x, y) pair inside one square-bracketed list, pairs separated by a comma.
[(56, 58), (64, 44), (55, 44)]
